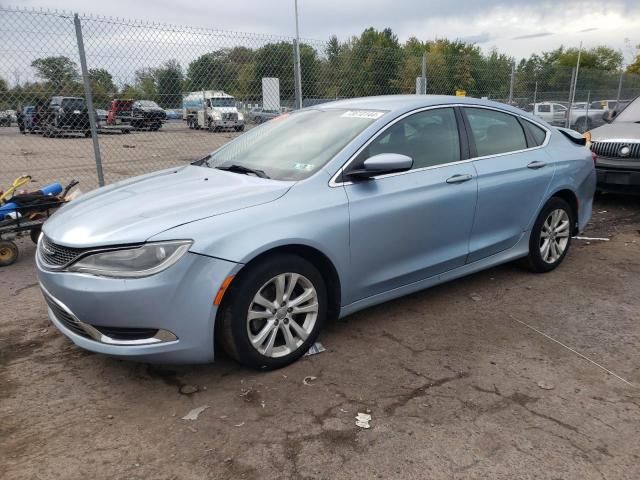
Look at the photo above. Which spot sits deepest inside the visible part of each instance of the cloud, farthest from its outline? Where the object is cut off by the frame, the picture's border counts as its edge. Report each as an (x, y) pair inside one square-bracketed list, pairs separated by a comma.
[(483, 37), (533, 35)]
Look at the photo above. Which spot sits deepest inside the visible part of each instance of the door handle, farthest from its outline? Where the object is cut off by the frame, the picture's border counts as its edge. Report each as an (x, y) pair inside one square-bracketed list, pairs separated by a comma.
[(458, 178), (537, 164)]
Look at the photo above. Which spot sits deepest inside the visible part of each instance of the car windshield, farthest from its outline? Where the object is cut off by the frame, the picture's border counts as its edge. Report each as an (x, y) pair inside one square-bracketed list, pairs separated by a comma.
[(631, 113), (223, 102), (148, 103), (73, 103), (294, 146)]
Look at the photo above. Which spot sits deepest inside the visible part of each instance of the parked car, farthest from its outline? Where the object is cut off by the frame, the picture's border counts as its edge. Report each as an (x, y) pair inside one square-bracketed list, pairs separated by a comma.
[(5, 119), (583, 118), (259, 115), (101, 115), (30, 119), (551, 112), (617, 146), (65, 115), (174, 114), (327, 211)]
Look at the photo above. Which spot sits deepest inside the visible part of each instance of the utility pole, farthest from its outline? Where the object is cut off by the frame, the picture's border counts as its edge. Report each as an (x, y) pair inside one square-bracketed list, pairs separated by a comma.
[(573, 87), (296, 66)]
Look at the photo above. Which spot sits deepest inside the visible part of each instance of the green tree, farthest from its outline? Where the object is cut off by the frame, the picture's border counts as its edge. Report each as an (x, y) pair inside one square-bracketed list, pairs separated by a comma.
[(169, 81), (634, 67), (225, 69), (276, 60), (375, 62), (58, 72), (102, 87)]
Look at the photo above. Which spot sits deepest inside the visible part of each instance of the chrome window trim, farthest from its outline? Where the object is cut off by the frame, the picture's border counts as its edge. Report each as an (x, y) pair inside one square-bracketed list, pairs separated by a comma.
[(334, 183)]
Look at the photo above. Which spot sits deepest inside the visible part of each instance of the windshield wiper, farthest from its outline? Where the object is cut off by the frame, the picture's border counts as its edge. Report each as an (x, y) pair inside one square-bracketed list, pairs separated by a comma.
[(242, 169)]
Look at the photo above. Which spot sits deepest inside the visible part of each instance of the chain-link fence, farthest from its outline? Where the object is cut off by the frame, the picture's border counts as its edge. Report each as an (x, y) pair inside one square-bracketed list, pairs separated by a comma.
[(101, 99)]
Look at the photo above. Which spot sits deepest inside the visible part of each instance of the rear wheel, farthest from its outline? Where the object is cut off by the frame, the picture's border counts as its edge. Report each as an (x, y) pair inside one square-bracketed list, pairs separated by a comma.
[(551, 236), (8, 253), (273, 312)]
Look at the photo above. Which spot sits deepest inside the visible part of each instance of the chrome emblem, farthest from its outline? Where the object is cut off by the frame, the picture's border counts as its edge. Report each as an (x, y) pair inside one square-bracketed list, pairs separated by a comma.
[(624, 151), (47, 250)]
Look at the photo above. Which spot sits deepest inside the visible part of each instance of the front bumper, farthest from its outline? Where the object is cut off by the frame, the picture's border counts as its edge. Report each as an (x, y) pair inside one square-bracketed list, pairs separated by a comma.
[(176, 306), (619, 179)]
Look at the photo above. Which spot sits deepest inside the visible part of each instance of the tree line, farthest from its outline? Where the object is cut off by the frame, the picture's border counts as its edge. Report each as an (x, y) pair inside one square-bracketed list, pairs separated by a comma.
[(373, 63)]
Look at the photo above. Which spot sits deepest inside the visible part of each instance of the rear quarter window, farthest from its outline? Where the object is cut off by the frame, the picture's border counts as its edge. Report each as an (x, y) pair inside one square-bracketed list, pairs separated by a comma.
[(538, 134)]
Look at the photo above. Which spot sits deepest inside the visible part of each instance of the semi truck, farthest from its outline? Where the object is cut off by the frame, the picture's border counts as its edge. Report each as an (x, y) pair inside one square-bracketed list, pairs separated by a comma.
[(211, 109)]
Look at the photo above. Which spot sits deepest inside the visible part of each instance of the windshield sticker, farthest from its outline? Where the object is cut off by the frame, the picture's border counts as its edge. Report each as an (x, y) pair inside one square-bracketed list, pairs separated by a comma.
[(303, 166), (372, 114)]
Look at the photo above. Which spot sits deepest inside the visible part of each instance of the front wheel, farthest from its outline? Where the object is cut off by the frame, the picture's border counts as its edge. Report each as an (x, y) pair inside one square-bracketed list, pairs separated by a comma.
[(551, 236), (273, 312)]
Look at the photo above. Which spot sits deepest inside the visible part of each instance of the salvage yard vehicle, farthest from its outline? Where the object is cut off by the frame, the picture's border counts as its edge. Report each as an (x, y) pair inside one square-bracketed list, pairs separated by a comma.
[(5, 118), (213, 110), (316, 215), (551, 112), (65, 115), (259, 115), (136, 114), (617, 146)]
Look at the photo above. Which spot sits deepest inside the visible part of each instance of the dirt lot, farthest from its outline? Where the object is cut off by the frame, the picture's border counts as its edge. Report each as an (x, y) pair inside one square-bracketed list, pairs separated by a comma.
[(65, 158), (462, 381)]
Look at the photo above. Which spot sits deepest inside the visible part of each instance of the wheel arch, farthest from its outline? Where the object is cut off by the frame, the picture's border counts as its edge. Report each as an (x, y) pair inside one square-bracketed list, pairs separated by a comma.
[(571, 198), (319, 260)]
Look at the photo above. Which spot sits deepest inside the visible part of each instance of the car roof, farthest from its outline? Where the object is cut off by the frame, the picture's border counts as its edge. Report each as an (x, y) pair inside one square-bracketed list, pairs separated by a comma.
[(410, 102)]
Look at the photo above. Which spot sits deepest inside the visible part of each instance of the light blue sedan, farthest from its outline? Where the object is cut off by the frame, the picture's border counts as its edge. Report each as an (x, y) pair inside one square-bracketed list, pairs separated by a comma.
[(311, 216)]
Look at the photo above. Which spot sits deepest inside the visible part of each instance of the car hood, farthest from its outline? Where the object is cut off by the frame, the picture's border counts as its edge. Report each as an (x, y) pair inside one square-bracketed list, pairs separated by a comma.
[(617, 131), (136, 209)]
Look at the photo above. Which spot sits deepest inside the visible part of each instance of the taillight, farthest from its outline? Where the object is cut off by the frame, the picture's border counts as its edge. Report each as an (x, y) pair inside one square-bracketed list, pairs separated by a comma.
[(594, 157)]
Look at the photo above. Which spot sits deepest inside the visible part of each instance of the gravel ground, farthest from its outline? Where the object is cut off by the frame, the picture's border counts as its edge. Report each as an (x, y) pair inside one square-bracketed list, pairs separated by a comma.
[(501, 375)]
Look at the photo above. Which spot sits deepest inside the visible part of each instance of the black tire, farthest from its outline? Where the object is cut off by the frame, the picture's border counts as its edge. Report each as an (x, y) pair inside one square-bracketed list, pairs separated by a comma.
[(87, 133), (34, 234), (239, 128), (231, 323), (534, 260), (8, 253)]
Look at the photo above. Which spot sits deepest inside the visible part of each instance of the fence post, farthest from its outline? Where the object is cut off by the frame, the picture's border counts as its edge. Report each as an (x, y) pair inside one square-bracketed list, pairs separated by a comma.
[(87, 92), (424, 73), (297, 77), (572, 86), (619, 90), (513, 76)]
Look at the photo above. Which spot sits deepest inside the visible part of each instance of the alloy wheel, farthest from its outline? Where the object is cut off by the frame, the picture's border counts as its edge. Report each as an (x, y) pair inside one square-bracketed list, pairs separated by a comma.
[(554, 237), (282, 314)]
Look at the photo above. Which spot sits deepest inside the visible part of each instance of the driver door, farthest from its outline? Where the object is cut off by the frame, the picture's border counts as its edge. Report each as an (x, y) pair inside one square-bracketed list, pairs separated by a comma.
[(409, 226)]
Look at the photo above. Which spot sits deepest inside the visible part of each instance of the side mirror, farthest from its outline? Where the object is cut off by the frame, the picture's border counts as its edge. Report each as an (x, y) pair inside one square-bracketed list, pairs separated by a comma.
[(380, 165)]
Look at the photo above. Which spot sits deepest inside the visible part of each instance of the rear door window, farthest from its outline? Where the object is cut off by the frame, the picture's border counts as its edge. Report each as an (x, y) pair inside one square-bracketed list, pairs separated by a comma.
[(538, 134), (495, 132)]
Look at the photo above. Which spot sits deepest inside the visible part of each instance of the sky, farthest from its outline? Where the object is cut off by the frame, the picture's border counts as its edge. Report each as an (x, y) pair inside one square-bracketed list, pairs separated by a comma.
[(515, 27)]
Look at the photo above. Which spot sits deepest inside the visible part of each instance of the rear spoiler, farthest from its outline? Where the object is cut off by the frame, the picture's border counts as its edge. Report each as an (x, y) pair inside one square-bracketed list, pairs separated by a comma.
[(572, 135)]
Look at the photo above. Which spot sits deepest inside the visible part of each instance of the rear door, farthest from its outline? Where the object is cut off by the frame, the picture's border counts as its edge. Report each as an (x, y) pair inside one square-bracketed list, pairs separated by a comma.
[(408, 226), (514, 173)]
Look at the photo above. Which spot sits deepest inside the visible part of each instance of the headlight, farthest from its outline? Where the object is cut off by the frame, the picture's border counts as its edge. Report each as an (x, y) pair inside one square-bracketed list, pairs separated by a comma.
[(216, 115), (240, 116), (142, 261)]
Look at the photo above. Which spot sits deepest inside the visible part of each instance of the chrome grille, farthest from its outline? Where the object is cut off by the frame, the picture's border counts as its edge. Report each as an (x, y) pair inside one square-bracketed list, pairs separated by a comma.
[(612, 149), (230, 116), (65, 318), (56, 255)]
